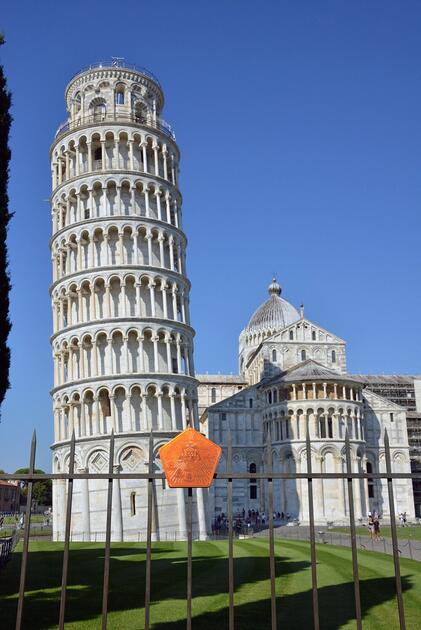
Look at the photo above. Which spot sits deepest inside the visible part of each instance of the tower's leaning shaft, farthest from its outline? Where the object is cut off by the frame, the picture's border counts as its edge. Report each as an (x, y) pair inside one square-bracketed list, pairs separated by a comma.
[(122, 341)]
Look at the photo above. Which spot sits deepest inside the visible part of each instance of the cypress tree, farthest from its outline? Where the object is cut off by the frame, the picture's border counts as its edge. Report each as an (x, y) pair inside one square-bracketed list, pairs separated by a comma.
[(5, 216)]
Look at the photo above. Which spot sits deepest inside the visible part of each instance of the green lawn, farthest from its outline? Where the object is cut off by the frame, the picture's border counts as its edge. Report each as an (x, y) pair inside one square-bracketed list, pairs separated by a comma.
[(35, 518), (210, 585), (403, 532)]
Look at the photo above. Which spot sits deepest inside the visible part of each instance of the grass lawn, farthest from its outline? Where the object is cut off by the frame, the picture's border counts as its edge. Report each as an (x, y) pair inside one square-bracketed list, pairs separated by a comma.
[(35, 518), (210, 585), (403, 532)]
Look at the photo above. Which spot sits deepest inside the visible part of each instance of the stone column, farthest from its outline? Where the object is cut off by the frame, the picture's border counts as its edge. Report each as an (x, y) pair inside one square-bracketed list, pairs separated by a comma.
[(147, 209), (84, 506), (173, 415), (201, 513), (160, 417), (116, 514), (155, 353), (181, 509)]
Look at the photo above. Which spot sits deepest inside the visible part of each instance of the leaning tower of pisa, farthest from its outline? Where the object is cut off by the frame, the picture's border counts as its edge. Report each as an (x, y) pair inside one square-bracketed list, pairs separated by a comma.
[(122, 341)]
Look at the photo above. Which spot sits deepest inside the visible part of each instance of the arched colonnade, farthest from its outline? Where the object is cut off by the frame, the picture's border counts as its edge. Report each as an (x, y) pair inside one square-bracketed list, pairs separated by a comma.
[(122, 352)]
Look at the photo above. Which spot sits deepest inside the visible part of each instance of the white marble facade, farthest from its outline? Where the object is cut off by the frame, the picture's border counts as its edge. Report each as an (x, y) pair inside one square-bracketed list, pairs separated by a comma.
[(296, 378), (122, 340)]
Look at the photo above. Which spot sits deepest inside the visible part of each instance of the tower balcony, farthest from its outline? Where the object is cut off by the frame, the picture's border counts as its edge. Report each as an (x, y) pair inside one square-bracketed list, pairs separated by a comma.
[(133, 118)]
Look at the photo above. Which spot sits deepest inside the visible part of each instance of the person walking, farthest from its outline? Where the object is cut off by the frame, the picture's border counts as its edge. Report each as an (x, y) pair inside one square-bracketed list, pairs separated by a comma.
[(376, 524), (370, 525)]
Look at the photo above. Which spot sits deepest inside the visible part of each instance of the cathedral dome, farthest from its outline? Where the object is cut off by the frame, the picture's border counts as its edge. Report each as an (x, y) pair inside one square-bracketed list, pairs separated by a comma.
[(274, 314)]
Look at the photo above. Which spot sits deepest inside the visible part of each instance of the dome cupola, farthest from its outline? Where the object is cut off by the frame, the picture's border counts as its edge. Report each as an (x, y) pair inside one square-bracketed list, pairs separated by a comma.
[(274, 314)]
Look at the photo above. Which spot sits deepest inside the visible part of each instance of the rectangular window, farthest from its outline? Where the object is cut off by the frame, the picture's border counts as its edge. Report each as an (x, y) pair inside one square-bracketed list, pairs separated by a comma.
[(251, 403), (223, 417), (253, 492), (174, 366), (391, 417), (133, 504), (370, 491)]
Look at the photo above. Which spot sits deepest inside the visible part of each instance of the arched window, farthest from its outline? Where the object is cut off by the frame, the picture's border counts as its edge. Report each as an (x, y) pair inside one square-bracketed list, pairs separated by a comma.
[(333, 356), (119, 95), (370, 481), (140, 112), (291, 334), (133, 504), (270, 398), (274, 356), (253, 482), (99, 111), (78, 102), (213, 394), (303, 355), (313, 335)]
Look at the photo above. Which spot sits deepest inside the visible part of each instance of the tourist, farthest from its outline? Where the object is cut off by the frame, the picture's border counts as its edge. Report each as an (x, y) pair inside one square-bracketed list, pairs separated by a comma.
[(370, 525), (376, 524)]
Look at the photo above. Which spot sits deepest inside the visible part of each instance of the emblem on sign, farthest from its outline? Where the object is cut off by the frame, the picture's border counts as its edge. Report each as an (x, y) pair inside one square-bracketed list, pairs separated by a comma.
[(190, 460)]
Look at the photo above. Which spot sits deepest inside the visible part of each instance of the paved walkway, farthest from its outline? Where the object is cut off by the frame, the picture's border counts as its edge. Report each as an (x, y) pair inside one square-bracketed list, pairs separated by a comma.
[(407, 548)]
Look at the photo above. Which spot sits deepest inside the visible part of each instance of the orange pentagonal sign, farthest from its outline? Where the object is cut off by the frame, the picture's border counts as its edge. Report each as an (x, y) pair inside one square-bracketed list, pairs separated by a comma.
[(190, 460)]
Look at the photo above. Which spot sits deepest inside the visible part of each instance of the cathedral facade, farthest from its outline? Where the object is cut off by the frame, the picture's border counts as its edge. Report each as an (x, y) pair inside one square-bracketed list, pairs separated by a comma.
[(293, 377)]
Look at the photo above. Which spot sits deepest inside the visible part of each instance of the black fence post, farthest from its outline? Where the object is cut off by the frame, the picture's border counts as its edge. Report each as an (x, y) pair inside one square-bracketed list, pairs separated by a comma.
[(106, 585), (67, 534), (230, 539), (271, 539), (149, 536), (316, 621), (394, 532), (25, 549), (353, 533)]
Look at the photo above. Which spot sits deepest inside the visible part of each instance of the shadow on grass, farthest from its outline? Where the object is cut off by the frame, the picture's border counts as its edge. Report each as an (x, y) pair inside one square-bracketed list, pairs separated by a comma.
[(127, 569), (336, 605)]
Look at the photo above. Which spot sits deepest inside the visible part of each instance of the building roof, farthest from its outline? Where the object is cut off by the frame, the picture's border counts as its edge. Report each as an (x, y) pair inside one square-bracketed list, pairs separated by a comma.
[(309, 371), (235, 379), (274, 314), (386, 379)]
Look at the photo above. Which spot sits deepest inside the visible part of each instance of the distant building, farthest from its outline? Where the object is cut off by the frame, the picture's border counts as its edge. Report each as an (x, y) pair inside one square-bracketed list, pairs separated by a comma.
[(9, 496), (403, 390)]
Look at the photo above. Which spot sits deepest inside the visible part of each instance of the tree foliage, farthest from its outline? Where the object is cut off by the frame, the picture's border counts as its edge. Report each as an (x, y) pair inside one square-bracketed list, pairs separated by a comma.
[(5, 216), (41, 490)]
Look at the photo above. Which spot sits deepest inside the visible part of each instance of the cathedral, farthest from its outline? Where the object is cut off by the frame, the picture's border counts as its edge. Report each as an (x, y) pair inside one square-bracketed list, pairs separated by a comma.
[(292, 376)]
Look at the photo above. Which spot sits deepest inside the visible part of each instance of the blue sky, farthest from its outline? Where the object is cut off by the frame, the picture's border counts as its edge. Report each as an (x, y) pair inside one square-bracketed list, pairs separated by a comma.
[(299, 125)]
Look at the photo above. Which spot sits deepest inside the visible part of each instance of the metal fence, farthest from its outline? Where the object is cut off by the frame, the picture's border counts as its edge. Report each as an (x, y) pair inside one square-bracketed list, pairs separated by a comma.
[(229, 476)]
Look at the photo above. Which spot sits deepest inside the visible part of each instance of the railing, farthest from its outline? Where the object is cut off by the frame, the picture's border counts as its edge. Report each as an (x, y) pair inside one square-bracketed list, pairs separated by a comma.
[(7, 545), (118, 63), (229, 476), (92, 119)]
